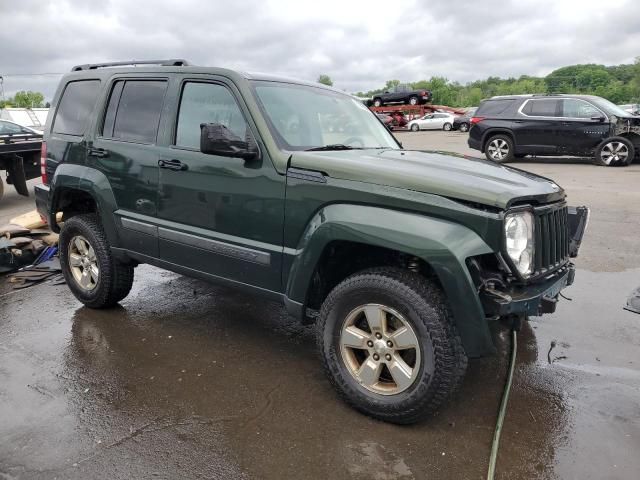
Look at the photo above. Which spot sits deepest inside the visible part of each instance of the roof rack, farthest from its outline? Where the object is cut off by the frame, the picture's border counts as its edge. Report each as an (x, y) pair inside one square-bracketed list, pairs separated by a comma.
[(174, 62)]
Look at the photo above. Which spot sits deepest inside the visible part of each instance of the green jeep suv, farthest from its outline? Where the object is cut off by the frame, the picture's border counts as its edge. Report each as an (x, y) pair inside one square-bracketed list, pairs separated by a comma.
[(297, 192)]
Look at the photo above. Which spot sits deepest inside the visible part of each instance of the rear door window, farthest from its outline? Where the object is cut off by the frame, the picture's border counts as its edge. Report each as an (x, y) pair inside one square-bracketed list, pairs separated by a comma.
[(494, 107), (75, 107), (544, 107), (133, 112)]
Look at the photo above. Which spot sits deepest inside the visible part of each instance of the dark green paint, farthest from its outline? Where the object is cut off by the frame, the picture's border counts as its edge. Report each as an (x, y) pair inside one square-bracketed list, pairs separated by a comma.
[(246, 223)]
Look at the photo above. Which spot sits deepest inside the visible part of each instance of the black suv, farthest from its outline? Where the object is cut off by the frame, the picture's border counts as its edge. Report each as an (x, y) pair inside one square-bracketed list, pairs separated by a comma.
[(514, 126), (402, 94)]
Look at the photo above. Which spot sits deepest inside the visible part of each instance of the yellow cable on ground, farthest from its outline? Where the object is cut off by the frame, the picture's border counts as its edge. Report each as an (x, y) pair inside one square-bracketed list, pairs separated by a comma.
[(503, 408)]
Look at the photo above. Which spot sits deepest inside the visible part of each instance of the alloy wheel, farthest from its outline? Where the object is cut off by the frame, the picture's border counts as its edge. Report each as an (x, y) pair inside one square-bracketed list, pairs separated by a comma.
[(380, 349), (498, 149), (83, 263), (614, 152), (464, 127)]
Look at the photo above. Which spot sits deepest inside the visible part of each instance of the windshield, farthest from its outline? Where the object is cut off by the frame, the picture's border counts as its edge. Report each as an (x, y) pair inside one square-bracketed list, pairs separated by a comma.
[(609, 108), (302, 117)]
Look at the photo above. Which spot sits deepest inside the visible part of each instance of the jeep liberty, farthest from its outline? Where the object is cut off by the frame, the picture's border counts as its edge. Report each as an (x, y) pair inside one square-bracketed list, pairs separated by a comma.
[(402, 258)]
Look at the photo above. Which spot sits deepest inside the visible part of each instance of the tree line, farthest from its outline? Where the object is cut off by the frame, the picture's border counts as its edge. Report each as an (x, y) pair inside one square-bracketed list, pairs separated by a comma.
[(619, 84), (24, 99)]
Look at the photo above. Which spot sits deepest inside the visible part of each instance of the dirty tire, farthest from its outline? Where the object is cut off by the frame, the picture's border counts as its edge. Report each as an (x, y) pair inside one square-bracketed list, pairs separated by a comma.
[(447, 127), (602, 155), (504, 149), (377, 102), (115, 278), (424, 306)]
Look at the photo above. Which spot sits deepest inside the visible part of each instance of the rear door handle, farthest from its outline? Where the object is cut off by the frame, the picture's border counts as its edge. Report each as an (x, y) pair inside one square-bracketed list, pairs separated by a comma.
[(98, 152), (173, 165)]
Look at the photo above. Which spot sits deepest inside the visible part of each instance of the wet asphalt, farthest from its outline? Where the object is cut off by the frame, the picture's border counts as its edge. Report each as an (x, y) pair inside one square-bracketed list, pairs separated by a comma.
[(189, 380)]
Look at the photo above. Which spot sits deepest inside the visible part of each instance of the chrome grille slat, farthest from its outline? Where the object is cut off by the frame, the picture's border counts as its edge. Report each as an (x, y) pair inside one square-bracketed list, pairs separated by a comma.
[(551, 237)]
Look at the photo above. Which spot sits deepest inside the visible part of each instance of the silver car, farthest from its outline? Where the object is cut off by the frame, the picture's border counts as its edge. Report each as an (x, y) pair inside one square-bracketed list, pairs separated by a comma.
[(432, 121)]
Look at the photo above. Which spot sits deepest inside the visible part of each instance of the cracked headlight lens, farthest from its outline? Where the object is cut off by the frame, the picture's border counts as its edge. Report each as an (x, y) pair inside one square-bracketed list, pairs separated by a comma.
[(518, 230)]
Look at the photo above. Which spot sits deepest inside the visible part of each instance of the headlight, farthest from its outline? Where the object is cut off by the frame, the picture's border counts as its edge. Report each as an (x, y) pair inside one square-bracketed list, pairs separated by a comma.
[(518, 231)]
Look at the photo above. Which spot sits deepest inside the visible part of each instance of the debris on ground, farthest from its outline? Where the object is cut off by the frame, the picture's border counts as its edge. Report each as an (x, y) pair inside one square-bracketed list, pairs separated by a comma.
[(23, 242), (633, 302)]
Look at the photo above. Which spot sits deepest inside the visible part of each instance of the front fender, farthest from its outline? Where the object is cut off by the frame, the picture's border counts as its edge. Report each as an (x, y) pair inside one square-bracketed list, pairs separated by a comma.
[(443, 245), (91, 181)]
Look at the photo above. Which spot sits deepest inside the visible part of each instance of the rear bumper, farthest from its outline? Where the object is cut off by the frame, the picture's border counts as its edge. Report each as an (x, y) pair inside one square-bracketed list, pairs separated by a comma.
[(42, 202), (473, 143), (533, 300)]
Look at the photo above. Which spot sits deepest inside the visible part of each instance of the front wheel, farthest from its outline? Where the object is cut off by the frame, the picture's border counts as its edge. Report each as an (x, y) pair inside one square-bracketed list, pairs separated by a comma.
[(389, 345), (377, 102), (464, 127), (446, 127), (413, 100), (415, 127), (499, 149), (616, 151), (95, 278)]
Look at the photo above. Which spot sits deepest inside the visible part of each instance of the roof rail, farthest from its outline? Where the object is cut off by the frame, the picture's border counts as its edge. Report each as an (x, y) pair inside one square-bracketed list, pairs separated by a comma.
[(174, 62)]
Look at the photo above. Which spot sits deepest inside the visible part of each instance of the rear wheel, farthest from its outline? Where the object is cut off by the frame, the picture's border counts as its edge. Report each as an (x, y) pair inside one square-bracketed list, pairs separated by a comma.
[(499, 149), (616, 151), (415, 127), (389, 345), (464, 127), (96, 278), (446, 127), (377, 102)]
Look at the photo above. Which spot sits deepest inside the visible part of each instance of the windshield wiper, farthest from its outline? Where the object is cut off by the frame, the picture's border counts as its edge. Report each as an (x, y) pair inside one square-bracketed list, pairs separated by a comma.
[(334, 146)]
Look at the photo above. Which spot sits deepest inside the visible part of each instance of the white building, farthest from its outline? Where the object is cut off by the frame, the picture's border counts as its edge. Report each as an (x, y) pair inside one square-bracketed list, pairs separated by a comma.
[(27, 117)]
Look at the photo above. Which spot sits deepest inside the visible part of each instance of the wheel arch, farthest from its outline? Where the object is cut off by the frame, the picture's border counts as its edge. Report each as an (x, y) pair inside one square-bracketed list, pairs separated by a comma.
[(372, 237), (496, 131), (79, 189)]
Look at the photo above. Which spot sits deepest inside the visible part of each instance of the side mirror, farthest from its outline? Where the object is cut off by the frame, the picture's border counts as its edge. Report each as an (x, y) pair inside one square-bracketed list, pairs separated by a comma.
[(598, 118), (217, 139)]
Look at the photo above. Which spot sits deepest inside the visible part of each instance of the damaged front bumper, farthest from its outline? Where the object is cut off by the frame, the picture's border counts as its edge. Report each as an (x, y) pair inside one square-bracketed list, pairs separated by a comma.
[(532, 300), (541, 296)]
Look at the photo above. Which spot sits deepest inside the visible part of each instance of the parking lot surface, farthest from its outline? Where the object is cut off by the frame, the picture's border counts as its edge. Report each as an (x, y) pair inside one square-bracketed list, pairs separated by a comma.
[(189, 380)]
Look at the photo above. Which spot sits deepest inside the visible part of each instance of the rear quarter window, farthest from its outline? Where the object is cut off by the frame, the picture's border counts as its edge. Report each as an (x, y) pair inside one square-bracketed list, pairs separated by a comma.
[(494, 107), (75, 107)]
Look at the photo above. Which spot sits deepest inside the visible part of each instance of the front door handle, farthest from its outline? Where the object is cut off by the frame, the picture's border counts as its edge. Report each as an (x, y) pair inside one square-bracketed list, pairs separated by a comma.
[(98, 152), (173, 165)]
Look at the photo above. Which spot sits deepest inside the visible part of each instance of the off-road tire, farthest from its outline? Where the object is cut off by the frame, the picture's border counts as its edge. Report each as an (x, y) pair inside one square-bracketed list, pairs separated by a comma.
[(115, 278), (509, 156), (424, 305), (377, 102), (598, 160), (447, 127)]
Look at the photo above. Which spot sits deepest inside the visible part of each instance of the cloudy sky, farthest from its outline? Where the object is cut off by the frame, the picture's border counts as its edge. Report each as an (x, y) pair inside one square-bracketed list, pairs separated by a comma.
[(359, 44)]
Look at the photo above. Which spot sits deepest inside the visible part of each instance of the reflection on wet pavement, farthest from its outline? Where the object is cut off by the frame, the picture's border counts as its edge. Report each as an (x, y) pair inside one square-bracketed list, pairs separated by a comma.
[(187, 380)]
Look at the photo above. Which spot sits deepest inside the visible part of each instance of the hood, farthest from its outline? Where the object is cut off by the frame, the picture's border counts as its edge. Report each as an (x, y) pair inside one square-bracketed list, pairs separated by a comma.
[(446, 174)]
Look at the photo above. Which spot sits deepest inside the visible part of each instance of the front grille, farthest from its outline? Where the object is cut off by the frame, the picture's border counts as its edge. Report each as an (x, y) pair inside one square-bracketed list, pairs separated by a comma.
[(552, 238)]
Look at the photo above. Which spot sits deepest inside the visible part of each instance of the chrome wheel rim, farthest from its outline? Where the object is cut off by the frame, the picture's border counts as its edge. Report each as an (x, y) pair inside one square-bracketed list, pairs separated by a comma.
[(83, 263), (380, 349), (614, 152), (498, 149)]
